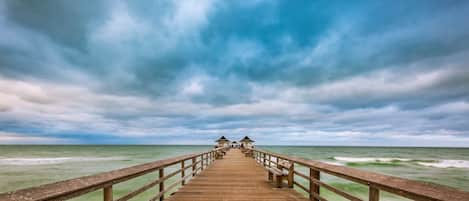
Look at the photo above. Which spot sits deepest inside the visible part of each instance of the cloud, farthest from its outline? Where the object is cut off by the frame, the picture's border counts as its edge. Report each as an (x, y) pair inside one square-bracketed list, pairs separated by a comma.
[(15, 138), (124, 71)]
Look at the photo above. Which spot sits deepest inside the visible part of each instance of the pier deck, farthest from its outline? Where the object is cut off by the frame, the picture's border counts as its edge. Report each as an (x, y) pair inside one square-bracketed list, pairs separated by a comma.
[(235, 177)]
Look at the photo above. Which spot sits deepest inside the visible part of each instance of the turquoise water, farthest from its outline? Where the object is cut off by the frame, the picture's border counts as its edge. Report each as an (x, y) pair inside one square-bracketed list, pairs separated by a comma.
[(24, 166)]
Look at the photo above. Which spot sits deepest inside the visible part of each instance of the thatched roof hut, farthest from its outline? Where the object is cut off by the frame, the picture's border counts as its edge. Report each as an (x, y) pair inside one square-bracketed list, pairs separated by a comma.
[(222, 139), (246, 139)]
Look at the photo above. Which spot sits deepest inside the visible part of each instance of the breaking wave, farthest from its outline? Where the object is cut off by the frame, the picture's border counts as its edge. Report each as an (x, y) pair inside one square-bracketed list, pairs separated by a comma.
[(397, 161), (446, 164), (371, 160)]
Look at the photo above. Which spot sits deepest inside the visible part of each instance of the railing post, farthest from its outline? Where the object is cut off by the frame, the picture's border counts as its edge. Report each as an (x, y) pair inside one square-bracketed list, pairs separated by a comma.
[(265, 158), (161, 175), (107, 193), (373, 194), (270, 160), (291, 174), (202, 162), (183, 173), (194, 166), (313, 187)]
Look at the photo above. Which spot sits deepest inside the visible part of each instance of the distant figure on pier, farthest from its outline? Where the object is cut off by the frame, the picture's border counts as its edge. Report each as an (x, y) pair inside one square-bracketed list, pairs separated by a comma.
[(234, 144), (246, 142)]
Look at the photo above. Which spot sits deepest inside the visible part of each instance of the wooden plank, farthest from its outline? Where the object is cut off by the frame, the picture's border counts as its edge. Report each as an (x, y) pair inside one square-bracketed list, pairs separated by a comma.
[(138, 191), (149, 185), (335, 190), (301, 186), (236, 177), (318, 197)]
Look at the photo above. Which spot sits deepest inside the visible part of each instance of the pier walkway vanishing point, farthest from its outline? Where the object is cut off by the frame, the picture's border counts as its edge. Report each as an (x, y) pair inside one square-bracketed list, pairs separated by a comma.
[(236, 175)]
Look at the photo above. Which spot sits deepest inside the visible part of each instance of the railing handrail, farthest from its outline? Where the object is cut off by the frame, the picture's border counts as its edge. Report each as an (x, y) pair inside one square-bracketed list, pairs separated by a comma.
[(404, 187), (74, 187)]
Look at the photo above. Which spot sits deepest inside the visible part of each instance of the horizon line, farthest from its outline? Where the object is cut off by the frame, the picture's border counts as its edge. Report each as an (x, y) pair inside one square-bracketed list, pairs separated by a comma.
[(278, 145)]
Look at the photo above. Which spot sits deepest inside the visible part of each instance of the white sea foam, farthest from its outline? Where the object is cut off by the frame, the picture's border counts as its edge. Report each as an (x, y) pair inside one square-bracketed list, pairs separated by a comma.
[(333, 163), (367, 160), (446, 164), (48, 161)]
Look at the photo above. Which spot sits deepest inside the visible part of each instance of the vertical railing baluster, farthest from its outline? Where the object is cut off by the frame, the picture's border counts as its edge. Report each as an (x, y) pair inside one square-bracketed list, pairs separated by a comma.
[(313, 187), (183, 172), (194, 166), (270, 160), (161, 185), (291, 174), (107, 193), (202, 162), (263, 162), (373, 194)]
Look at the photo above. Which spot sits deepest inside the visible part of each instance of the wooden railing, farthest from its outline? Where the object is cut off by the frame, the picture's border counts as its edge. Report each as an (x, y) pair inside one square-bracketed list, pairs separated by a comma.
[(72, 188), (375, 182)]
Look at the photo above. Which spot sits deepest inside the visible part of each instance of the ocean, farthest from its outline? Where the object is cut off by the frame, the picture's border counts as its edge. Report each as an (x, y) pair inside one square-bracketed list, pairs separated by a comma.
[(23, 166)]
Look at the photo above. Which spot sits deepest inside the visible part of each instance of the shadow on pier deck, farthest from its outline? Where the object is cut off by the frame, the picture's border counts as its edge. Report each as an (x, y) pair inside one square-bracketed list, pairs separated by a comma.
[(236, 177)]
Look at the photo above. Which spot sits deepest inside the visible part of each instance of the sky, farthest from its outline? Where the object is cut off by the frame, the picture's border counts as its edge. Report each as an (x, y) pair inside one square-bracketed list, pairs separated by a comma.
[(355, 73)]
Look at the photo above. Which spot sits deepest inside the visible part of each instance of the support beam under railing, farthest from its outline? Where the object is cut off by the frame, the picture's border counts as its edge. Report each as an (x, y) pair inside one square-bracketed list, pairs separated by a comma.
[(161, 175), (194, 166), (313, 187), (107, 193), (373, 194), (202, 162), (183, 173)]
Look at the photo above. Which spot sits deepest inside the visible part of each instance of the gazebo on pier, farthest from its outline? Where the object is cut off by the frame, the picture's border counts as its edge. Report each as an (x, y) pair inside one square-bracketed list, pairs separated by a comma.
[(246, 142), (222, 142)]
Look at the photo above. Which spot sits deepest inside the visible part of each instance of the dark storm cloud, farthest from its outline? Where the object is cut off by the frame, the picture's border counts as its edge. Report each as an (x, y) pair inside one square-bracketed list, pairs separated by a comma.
[(305, 69)]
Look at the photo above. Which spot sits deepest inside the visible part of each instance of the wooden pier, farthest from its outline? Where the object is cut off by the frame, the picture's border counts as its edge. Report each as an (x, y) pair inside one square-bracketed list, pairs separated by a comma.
[(237, 175)]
